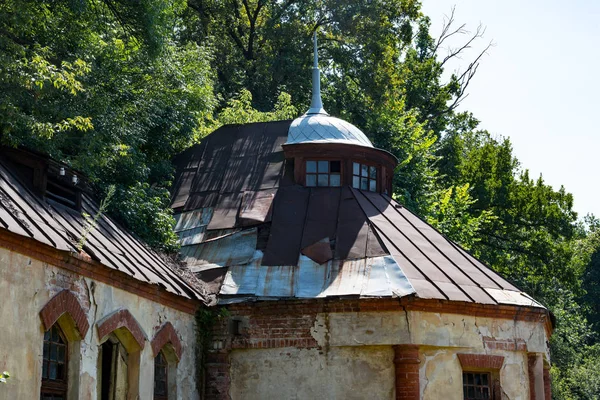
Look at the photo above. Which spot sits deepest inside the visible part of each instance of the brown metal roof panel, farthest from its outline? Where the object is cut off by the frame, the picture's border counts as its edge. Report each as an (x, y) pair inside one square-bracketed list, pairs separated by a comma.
[(375, 247), (426, 290), (478, 294), (226, 211), (201, 200), (12, 224), (503, 283), (408, 267), (423, 252), (289, 210), (352, 229), (134, 252), (453, 292), (29, 214), (256, 207), (183, 188), (397, 239), (446, 249), (321, 215)]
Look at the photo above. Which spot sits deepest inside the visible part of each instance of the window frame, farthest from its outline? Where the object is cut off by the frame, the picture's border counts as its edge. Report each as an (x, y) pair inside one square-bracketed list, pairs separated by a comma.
[(317, 173), (166, 365), (368, 177), (491, 385), (55, 387)]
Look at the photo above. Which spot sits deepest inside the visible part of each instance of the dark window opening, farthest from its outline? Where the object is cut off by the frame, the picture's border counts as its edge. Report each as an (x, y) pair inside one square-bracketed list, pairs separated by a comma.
[(323, 173), (161, 377), (364, 177), (54, 365), (113, 371), (62, 194), (477, 385)]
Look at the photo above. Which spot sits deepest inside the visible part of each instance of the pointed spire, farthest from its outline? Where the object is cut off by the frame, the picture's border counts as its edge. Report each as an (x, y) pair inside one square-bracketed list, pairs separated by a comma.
[(316, 105)]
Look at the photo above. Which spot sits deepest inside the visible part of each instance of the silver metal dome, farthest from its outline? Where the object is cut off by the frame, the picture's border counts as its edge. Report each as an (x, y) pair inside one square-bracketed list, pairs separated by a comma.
[(316, 126), (322, 128)]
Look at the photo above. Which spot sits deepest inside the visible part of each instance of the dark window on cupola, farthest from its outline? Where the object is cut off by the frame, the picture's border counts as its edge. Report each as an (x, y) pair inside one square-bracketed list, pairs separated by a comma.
[(364, 177), (323, 173)]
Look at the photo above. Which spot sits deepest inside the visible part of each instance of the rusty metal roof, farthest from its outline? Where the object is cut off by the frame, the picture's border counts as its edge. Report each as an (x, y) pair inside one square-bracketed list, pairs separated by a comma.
[(247, 229), (60, 227)]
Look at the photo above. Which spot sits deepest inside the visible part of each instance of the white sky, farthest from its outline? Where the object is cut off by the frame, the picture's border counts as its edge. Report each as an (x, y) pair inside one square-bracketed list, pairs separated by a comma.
[(539, 85)]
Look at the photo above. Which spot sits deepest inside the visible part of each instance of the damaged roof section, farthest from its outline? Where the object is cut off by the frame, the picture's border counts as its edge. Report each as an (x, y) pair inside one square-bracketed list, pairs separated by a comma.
[(61, 227), (249, 232)]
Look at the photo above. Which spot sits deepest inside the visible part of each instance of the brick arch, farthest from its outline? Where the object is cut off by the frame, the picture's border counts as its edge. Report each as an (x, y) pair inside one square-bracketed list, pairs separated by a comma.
[(65, 302), (121, 320), (167, 334)]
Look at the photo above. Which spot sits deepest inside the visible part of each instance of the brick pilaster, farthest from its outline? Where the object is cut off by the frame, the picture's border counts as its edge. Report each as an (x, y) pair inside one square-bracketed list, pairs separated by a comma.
[(406, 363), (535, 366), (217, 376)]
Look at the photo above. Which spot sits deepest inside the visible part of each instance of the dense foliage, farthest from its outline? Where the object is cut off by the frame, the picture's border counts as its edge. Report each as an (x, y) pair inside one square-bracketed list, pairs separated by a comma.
[(116, 88)]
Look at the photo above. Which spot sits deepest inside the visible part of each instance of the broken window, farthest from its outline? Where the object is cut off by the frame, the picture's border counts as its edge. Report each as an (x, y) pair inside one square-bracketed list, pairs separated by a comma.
[(477, 385), (364, 177), (323, 173), (54, 365), (113, 360), (161, 377)]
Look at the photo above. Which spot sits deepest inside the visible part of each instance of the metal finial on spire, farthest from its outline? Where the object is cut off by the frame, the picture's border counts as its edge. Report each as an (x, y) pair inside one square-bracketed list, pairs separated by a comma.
[(316, 105)]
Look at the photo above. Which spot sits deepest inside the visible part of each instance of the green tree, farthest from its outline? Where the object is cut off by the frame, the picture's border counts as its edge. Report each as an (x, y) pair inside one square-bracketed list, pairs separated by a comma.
[(110, 88)]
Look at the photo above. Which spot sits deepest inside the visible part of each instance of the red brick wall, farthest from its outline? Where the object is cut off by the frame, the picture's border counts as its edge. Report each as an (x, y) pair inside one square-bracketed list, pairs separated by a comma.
[(406, 363)]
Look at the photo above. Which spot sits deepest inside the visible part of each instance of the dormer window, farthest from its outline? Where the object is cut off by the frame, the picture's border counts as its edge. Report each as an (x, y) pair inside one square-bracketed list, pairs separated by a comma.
[(323, 173), (364, 177)]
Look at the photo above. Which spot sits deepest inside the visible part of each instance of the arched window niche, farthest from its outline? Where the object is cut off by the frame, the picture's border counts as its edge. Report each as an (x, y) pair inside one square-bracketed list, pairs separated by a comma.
[(64, 323), (167, 350), (121, 341)]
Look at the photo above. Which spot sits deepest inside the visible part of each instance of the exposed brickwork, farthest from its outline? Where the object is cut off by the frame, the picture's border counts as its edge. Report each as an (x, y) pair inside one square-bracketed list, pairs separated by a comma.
[(531, 361), (406, 365), (65, 302), (547, 384), (166, 334), (217, 376), (480, 361), (121, 319), (504, 344)]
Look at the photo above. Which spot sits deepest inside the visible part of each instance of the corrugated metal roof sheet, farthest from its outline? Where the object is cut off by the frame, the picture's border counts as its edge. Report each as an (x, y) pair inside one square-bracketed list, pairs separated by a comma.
[(60, 227)]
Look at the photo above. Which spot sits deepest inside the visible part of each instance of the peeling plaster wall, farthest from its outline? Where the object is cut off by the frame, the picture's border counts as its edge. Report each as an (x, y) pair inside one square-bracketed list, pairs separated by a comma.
[(291, 373), (441, 374), (26, 285), (354, 356)]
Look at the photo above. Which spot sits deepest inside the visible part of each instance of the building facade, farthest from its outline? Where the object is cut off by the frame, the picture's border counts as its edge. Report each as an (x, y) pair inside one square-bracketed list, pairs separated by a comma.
[(334, 290), (96, 318)]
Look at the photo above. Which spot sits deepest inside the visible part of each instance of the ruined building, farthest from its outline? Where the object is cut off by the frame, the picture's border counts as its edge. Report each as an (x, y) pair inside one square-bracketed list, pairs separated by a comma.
[(302, 279), (332, 289)]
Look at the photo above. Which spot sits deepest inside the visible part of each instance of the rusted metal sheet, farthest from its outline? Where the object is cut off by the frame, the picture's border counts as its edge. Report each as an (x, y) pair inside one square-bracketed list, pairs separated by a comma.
[(232, 249), (60, 227), (512, 297), (372, 277)]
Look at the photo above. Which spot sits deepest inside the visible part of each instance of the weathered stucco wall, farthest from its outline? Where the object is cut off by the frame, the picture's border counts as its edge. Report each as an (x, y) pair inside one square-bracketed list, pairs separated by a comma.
[(293, 352), (26, 285), (291, 373)]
